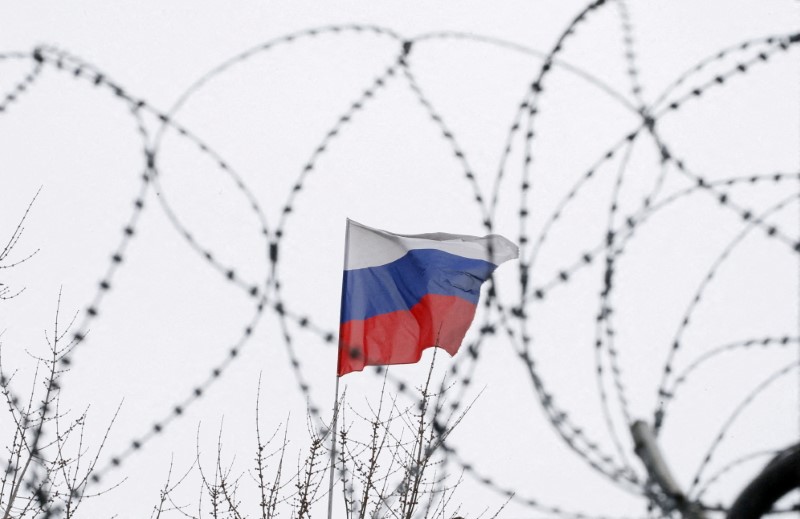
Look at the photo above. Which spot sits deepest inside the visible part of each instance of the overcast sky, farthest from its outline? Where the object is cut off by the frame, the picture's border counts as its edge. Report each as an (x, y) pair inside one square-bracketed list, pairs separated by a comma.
[(687, 269)]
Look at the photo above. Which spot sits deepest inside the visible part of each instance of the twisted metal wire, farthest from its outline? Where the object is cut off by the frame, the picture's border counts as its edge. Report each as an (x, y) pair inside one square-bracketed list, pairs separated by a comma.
[(513, 320)]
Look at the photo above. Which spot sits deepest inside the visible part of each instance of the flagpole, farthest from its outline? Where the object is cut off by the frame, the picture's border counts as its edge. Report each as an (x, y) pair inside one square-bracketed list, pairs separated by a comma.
[(333, 448), (338, 361)]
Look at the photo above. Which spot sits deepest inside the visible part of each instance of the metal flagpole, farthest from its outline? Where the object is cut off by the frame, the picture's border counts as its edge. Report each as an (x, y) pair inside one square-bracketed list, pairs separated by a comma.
[(333, 448), (336, 401)]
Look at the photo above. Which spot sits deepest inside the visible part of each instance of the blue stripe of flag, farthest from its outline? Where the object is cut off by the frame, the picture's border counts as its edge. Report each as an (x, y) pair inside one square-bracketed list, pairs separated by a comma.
[(399, 285)]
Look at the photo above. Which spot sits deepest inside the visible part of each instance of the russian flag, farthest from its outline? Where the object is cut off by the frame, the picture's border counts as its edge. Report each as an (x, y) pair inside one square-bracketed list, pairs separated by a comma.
[(404, 293)]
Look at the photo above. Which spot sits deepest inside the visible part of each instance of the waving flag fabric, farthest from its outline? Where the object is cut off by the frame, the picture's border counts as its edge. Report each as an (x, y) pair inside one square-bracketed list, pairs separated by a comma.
[(404, 293)]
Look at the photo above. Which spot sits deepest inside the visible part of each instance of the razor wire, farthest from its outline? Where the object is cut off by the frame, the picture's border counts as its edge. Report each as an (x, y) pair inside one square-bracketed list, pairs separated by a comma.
[(512, 319)]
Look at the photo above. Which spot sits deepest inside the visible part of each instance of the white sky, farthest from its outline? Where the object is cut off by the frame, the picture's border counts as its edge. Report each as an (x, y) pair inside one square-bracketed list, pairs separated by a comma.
[(170, 318)]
